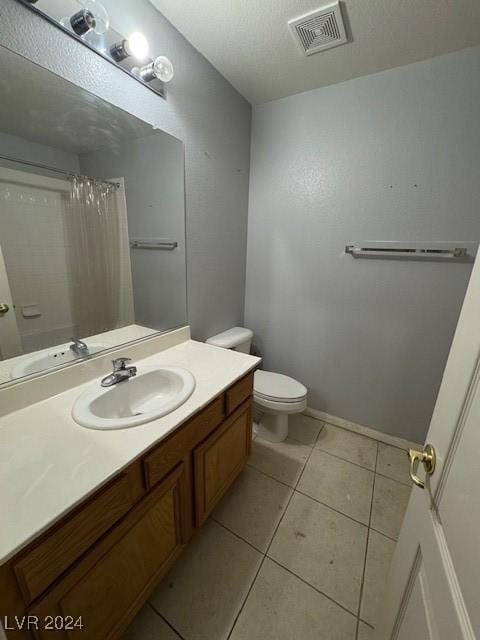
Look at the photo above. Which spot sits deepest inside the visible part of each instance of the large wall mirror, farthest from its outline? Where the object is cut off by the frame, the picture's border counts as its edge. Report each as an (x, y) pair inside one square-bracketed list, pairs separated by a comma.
[(92, 224)]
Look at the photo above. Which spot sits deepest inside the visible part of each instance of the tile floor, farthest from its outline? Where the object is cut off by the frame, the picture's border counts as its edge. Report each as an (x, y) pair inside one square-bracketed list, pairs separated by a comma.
[(299, 548)]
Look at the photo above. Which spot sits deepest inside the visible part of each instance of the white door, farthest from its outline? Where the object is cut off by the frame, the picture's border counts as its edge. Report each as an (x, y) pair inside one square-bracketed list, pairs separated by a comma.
[(10, 344), (434, 583)]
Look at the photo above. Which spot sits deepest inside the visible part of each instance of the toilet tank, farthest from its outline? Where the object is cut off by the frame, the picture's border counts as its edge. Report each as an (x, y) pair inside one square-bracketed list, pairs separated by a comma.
[(237, 338)]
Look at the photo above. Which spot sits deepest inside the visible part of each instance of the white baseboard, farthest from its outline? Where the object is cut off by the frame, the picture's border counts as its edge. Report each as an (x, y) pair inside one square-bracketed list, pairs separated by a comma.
[(362, 430)]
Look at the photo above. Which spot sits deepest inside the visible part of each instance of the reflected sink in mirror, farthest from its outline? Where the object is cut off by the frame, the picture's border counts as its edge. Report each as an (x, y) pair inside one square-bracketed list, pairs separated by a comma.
[(152, 394), (46, 360)]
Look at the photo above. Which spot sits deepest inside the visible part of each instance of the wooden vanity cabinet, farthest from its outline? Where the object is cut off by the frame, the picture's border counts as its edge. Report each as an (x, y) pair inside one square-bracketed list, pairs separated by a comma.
[(63, 545), (91, 573), (109, 586), (219, 460)]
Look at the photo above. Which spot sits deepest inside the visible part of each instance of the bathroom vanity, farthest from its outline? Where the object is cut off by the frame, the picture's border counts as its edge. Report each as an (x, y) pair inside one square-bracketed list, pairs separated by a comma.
[(93, 269), (88, 572)]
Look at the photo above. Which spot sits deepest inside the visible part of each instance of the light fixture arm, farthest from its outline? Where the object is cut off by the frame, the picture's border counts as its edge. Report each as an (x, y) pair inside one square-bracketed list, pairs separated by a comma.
[(118, 51), (147, 72), (82, 22)]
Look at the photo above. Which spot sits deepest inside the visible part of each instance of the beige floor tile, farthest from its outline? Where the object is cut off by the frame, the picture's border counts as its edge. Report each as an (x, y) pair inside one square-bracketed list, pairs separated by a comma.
[(323, 547), (379, 557), (253, 507), (148, 625), (283, 461), (365, 632), (339, 484), (282, 607), (204, 591), (393, 463), (304, 428), (390, 499), (348, 445)]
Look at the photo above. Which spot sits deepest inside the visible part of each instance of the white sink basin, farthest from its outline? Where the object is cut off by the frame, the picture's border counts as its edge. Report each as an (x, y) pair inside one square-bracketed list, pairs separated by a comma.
[(151, 394), (49, 359)]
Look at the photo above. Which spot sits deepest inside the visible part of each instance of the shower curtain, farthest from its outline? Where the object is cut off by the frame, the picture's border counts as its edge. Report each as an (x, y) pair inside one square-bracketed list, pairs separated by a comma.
[(93, 232)]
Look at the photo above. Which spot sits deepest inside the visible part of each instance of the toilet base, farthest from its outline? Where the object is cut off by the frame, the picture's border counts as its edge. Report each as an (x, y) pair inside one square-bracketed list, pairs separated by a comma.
[(272, 427)]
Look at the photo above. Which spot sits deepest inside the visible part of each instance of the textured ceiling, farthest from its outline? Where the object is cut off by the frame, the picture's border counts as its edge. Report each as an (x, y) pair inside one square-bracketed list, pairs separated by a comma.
[(42, 107), (249, 41)]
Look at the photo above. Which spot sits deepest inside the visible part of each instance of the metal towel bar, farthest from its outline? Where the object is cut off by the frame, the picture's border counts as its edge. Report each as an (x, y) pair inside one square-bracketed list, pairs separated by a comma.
[(435, 251), (166, 245)]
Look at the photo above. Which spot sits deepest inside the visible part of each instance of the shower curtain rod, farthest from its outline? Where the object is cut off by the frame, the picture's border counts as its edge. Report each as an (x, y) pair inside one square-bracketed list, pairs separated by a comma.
[(54, 169)]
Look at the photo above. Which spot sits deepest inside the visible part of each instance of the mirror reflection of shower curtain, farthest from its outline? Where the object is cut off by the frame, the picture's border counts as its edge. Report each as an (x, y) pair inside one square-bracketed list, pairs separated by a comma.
[(93, 232)]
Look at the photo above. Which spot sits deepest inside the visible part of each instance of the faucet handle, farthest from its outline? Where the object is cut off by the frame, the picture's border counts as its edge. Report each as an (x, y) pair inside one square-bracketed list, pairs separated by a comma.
[(119, 364)]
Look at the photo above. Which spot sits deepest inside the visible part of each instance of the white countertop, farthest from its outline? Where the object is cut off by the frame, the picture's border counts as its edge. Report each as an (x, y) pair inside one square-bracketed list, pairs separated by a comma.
[(109, 340), (49, 463)]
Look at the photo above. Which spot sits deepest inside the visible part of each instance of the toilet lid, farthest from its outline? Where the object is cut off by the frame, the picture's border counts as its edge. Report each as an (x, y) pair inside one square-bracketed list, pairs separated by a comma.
[(276, 386)]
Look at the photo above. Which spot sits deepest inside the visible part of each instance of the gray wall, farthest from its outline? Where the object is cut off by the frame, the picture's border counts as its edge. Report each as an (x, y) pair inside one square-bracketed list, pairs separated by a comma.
[(392, 156), (202, 109), (24, 149), (153, 169)]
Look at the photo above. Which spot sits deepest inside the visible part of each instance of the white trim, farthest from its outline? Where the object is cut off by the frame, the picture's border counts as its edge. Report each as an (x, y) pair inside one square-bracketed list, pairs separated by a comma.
[(362, 430)]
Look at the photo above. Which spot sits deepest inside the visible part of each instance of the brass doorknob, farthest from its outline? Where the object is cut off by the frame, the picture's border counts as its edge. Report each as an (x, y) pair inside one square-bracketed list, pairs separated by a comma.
[(427, 457), (3, 308)]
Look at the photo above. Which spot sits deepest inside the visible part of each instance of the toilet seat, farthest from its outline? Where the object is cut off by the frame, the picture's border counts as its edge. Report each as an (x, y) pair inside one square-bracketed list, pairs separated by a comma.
[(276, 388), (274, 406)]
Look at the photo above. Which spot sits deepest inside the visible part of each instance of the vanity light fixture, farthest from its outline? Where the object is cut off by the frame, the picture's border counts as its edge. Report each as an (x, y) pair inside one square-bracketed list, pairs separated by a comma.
[(136, 46), (160, 68), (89, 24), (92, 17)]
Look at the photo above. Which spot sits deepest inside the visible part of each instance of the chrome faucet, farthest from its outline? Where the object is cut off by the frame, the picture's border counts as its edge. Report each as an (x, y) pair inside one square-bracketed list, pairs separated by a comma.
[(79, 348), (120, 372)]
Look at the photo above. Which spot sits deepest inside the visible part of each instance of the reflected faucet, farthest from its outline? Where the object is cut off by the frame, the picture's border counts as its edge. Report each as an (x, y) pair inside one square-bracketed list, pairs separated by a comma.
[(78, 347), (120, 372)]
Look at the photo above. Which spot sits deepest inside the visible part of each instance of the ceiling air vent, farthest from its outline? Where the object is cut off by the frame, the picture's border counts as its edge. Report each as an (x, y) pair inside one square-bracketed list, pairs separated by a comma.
[(320, 29)]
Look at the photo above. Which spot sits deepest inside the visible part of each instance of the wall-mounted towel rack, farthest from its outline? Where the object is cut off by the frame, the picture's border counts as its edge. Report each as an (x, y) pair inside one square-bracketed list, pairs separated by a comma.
[(426, 251), (166, 245)]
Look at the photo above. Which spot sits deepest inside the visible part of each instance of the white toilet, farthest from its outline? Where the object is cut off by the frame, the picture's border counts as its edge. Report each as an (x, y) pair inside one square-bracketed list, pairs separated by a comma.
[(275, 395)]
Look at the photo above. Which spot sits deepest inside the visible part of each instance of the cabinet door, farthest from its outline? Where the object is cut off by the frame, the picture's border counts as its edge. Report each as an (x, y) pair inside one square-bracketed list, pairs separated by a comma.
[(113, 581), (66, 543), (219, 460)]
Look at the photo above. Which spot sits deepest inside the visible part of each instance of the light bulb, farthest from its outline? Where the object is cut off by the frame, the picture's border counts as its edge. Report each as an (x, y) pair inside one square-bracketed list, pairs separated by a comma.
[(163, 69), (136, 46), (160, 68), (92, 17)]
